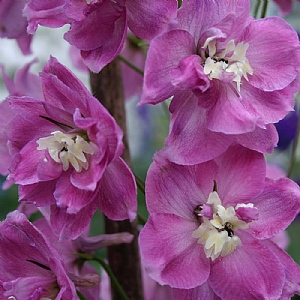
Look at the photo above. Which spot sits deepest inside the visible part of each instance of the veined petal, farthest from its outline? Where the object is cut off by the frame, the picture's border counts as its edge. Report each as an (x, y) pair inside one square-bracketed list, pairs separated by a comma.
[(177, 259)]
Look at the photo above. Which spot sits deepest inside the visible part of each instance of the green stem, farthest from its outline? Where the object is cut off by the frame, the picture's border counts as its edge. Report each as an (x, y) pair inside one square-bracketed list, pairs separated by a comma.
[(141, 219), (294, 149), (131, 65), (179, 3), (264, 9), (140, 184), (257, 8), (109, 272)]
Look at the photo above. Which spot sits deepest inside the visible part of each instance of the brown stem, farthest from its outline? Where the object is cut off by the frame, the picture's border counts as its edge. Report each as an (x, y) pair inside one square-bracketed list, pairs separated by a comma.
[(123, 259)]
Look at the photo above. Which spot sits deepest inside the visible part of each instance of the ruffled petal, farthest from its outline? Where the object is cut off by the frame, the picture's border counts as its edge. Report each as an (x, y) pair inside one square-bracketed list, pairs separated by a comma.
[(272, 53), (278, 205), (164, 54), (189, 141)]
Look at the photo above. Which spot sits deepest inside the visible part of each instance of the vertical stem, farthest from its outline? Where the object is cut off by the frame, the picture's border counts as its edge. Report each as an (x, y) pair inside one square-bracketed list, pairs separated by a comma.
[(123, 259)]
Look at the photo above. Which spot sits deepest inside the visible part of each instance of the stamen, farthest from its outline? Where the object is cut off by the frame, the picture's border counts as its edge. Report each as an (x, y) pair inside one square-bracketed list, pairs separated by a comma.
[(217, 229), (67, 149)]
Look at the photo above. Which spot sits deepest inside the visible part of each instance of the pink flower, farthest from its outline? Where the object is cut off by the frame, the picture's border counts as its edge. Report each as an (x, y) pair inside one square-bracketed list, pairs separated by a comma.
[(99, 27), (66, 154), (13, 24), (231, 63), (30, 267), (210, 227)]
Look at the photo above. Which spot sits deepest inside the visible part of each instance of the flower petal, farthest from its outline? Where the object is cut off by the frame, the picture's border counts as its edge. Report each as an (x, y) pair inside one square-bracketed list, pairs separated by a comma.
[(278, 205), (251, 271), (170, 254)]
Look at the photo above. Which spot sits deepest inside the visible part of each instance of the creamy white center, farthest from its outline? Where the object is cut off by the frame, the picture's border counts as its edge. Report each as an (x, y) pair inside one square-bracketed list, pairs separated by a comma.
[(67, 148), (217, 229), (229, 65)]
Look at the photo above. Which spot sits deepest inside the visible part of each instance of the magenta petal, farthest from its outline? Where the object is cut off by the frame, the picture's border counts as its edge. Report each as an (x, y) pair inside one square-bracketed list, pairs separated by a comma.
[(70, 226), (170, 254), (117, 193), (278, 205), (189, 141), (47, 13), (261, 140), (178, 190), (276, 39), (233, 186), (161, 59), (101, 19), (70, 197), (40, 193), (190, 75), (149, 18), (251, 271), (203, 291), (292, 271), (25, 171), (97, 59)]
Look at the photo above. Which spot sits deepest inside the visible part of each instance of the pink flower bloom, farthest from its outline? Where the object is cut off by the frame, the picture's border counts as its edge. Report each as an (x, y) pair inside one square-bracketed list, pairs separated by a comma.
[(13, 24), (66, 154), (229, 61), (30, 267), (210, 227), (99, 27)]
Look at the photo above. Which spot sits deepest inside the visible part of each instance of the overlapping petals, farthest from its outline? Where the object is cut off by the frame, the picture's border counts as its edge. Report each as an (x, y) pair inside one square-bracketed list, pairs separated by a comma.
[(182, 202), (65, 147)]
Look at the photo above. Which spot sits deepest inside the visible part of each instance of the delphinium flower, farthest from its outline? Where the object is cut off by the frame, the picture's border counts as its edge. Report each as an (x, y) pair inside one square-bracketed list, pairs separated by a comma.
[(225, 73), (31, 268), (13, 24), (210, 228), (99, 28), (66, 154)]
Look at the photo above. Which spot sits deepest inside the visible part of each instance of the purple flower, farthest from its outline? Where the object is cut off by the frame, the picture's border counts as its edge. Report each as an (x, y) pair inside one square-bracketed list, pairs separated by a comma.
[(98, 28), (231, 63), (210, 227), (30, 267), (66, 154), (13, 24)]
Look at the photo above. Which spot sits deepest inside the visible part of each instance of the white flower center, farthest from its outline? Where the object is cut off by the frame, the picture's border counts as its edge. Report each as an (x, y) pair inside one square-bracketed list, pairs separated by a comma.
[(216, 231), (231, 64), (67, 149)]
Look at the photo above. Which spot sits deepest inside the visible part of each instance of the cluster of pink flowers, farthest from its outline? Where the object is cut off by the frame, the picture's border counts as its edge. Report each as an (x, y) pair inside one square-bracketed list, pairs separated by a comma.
[(214, 212)]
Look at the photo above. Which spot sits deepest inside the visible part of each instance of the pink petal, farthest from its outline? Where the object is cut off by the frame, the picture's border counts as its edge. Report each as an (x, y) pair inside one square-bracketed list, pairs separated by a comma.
[(189, 141), (176, 189), (233, 186), (149, 18), (203, 291), (251, 271), (96, 59), (170, 254), (276, 39), (161, 59), (278, 205), (260, 139), (117, 192)]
